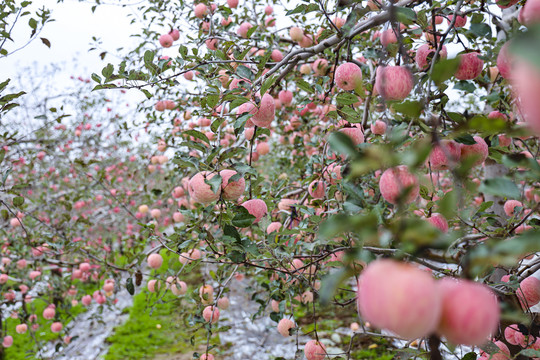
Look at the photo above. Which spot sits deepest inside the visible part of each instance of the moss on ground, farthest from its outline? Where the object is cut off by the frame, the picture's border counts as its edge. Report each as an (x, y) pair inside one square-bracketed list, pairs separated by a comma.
[(158, 324), (147, 331), (377, 353)]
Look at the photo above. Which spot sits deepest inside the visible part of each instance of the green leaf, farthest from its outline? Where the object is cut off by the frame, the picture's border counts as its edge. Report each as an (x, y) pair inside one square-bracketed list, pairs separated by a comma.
[(485, 205), (490, 348), (480, 30), (243, 54), (96, 78), (485, 125), (342, 144), (214, 182), (469, 356), (465, 139), (521, 45), (267, 84), (183, 163), (297, 10), (525, 243), (424, 193), (325, 34), (146, 93), (251, 31), (520, 160), (237, 102), (32, 23), (304, 85), (198, 135), (107, 71), (448, 204), (7, 98), (231, 231), (18, 201), (221, 54), (130, 287), (530, 353), (409, 108), (477, 18), (500, 187), (4, 84), (244, 72), (244, 169), (216, 124), (182, 50), (353, 17), (149, 56), (240, 122), (444, 69), (346, 99), (212, 100), (466, 86), (405, 15), (104, 86), (406, 354), (264, 60), (242, 218), (349, 114)]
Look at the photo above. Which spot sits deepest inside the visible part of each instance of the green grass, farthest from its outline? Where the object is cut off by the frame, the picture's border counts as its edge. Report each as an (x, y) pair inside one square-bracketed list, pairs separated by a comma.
[(377, 353), (160, 324), (146, 331)]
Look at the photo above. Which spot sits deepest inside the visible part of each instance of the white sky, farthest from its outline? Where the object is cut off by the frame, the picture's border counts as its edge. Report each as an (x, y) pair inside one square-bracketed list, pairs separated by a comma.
[(70, 36)]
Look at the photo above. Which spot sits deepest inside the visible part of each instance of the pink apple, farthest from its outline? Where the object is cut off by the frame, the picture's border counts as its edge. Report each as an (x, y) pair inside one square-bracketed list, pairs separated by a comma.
[(470, 66), (200, 10), (200, 191), (314, 350), (425, 53), (256, 207), (243, 29), (296, 34), (470, 312), (399, 297), (286, 97), (393, 82), (348, 76), (445, 154), (396, 181), (166, 40), (231, 190), (478, 151)]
